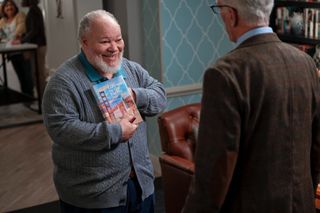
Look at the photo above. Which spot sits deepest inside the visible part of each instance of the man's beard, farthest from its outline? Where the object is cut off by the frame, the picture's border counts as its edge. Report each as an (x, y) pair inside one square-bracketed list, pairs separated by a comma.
[(104, 67)]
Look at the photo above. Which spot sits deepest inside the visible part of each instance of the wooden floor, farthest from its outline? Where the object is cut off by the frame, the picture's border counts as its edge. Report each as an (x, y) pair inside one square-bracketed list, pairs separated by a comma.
[(25, 167)]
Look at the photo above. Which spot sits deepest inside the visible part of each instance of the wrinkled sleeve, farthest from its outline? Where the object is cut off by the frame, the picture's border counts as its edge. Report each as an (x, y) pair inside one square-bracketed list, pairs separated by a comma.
[(150, 96), (20, 24)]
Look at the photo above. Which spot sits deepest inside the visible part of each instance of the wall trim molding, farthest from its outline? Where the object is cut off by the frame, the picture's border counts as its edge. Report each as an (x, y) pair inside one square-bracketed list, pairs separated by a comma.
[(184, 90)]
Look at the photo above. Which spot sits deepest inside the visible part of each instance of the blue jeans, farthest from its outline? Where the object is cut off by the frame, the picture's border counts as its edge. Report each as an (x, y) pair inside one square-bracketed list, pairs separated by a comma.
[(133, 205)]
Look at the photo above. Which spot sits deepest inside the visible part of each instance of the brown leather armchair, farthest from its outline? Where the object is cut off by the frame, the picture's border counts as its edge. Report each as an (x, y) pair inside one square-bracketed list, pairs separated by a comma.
[(178, 132)]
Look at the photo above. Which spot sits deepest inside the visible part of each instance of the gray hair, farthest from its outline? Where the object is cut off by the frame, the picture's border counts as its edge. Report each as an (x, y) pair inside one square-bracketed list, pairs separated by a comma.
[(84, 25), (253, 12)]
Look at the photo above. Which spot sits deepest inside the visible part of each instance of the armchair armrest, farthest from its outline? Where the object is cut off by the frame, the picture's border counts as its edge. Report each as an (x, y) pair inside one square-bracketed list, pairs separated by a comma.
[(178, 162), (177, 174)]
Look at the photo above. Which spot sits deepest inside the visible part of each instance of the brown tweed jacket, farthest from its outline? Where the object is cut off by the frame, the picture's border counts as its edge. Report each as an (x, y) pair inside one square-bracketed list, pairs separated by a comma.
[(259, 137)]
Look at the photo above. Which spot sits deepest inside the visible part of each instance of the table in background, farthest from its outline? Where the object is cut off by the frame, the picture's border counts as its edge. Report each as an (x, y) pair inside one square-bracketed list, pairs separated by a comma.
[(5, 49)]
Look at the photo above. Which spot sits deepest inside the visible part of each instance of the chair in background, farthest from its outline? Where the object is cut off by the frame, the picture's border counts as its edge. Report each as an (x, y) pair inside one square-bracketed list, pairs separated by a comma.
[(178, 132)]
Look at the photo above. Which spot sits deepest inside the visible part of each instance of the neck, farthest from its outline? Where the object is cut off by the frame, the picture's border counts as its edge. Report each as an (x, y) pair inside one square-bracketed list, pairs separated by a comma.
[(9, 19), (106, 75)]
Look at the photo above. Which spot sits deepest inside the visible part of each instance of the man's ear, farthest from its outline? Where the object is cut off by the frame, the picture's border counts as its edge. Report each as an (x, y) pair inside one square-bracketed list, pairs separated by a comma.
[(84, 42), (233, 17)]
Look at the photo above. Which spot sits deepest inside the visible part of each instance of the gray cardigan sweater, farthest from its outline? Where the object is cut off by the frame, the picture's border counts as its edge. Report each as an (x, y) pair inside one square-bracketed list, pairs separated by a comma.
[(92, 164)]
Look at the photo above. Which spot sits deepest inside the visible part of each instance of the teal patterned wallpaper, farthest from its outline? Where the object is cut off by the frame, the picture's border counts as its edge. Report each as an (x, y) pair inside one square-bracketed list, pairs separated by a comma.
[(191, 37), (181, 39)]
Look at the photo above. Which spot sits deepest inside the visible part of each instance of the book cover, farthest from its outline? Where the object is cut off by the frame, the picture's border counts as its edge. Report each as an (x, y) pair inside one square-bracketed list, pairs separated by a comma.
[(114, 100)]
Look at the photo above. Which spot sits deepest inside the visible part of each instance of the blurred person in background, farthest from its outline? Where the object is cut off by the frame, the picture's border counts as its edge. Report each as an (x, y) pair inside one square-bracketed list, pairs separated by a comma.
[(35, 34), (12, 26)]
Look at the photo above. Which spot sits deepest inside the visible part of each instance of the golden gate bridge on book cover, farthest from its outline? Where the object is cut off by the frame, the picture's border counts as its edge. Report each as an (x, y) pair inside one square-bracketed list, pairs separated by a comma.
[(115, 100)]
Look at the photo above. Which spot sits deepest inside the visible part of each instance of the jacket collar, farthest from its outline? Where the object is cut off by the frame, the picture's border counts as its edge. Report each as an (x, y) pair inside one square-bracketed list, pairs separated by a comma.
[(259, 39)]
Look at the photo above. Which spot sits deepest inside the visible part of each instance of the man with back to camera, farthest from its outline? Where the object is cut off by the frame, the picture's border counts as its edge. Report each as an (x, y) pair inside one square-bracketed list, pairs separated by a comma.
[(258, 149), (100, 167)]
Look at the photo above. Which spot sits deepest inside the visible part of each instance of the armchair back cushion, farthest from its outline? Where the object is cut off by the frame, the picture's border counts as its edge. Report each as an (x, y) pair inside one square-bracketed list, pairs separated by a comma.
[(178, 132)]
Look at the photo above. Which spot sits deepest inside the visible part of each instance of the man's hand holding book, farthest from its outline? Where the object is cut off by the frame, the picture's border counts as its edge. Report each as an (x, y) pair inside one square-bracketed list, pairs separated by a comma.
[(128, 126)]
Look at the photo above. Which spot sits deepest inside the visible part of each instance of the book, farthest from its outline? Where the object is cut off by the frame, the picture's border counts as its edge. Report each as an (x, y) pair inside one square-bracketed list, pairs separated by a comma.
[(114, 100)]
